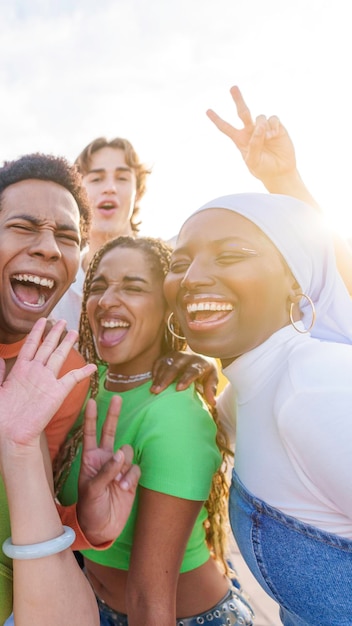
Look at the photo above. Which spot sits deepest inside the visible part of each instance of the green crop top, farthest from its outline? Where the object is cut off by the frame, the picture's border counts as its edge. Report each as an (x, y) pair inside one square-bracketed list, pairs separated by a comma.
[(173, 437)]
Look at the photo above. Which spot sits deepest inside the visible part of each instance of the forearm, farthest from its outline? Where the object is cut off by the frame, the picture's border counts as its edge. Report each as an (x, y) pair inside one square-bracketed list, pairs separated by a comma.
[(290, 184), (151, 609), (51, 589), (163, 527)]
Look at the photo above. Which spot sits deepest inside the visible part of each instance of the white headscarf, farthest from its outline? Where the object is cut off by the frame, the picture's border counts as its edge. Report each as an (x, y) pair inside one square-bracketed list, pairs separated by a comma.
[(299, 233)]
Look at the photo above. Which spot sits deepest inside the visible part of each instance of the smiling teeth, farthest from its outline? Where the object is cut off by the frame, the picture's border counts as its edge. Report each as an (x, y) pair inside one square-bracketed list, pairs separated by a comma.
[(30, 278), (208, 306), (114, 324)]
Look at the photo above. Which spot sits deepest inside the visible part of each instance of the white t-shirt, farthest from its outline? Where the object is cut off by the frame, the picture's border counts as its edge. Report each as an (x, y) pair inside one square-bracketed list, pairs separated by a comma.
[(69, 307)]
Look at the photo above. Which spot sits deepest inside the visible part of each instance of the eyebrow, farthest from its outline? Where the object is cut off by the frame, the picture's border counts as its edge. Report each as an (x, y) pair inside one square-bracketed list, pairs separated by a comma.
[(233, 239), (36, 221), (128, 279), (100, 170), (135, 279)]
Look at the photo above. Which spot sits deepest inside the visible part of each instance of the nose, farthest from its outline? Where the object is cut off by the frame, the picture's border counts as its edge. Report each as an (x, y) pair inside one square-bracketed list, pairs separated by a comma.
[(110, 185), (196, 275), (46, 246), (109, 298)]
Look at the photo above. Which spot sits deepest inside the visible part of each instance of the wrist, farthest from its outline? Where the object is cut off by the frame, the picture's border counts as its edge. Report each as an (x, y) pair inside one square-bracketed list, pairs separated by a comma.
[(283, 183), (291, 184), (92, 536), (16, 457), (40, 549)]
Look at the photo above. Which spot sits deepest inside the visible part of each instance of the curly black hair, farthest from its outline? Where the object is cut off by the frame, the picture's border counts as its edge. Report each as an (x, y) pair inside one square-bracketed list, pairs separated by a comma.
[(51, 168)]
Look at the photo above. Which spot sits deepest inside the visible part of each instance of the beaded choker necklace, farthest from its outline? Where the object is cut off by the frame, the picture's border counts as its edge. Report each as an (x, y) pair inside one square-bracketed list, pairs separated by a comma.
[(126, 380)]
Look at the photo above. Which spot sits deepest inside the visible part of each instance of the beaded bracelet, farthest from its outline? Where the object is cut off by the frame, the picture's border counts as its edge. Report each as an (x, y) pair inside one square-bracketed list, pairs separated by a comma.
[(39, 550)]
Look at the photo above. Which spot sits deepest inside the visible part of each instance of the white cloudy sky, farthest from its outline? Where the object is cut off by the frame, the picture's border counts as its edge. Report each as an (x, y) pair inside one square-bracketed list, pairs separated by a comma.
[(71, 70)]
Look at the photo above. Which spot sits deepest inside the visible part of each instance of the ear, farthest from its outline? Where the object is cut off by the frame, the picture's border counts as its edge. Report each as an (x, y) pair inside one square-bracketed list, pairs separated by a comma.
[(294, 295), (167, 314)]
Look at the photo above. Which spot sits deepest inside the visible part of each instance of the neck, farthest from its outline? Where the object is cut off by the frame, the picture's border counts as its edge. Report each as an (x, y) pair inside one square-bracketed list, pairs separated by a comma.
[(98, 239), (11, 344)]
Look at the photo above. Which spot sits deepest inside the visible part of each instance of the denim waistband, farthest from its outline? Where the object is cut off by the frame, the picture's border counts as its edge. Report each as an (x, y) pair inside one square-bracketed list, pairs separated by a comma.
[(306, 570), (290, 522), (232, 610), (116, 618)]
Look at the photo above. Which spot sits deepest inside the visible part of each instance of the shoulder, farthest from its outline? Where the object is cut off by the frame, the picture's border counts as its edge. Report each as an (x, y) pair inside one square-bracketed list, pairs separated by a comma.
[(315, 388), (169, 417), (182, 406), (177, 442), (318, 363)]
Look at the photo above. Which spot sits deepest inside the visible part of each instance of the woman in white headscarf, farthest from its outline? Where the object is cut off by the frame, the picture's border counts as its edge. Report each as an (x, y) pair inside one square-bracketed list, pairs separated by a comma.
[(253, 281)]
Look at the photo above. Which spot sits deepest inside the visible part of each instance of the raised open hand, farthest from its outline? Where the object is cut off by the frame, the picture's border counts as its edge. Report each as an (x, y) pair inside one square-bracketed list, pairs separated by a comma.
[(32, 392), (265, 144), (107, 481)]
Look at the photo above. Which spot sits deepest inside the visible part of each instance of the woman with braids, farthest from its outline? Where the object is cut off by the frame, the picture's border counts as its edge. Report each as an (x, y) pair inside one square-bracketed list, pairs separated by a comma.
[(167, 566)]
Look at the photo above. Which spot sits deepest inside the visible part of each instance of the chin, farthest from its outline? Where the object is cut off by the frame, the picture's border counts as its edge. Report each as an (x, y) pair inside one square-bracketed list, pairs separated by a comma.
[(21, 328), (202, 349)]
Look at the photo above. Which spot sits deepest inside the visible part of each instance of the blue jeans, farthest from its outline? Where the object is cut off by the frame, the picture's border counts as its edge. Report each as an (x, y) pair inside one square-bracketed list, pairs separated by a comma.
[(306, 570), (232, 610), (9, 621)]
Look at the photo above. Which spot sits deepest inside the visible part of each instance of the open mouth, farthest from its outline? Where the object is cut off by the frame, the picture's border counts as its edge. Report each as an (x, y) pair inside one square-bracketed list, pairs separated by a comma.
[(112, 330), (208, 311), (107, 206), (32, 290)]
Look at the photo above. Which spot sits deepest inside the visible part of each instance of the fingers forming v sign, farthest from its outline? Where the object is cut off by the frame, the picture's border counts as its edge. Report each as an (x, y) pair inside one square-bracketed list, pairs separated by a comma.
[(241, 137), (108, 480), (265, 145)]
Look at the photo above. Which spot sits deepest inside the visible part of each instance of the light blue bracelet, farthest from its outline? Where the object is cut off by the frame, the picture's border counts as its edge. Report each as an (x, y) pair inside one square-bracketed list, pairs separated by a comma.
[(39, 550)]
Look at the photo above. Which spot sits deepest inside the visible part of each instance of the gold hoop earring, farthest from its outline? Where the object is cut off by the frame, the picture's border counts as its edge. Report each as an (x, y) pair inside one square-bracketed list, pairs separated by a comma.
[(172, 330), (314, 315)]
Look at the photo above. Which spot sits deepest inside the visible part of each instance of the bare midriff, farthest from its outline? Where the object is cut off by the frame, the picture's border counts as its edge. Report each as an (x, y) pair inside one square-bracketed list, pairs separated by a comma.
[(197, 590)]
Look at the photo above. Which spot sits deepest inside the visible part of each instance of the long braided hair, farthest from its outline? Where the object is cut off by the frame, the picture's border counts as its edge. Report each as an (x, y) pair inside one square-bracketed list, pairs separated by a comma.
[(158, 254)]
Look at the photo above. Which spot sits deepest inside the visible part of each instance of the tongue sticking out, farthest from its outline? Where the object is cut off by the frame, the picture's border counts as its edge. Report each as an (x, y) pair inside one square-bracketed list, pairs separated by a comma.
[(29, 293), (111, 335)]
